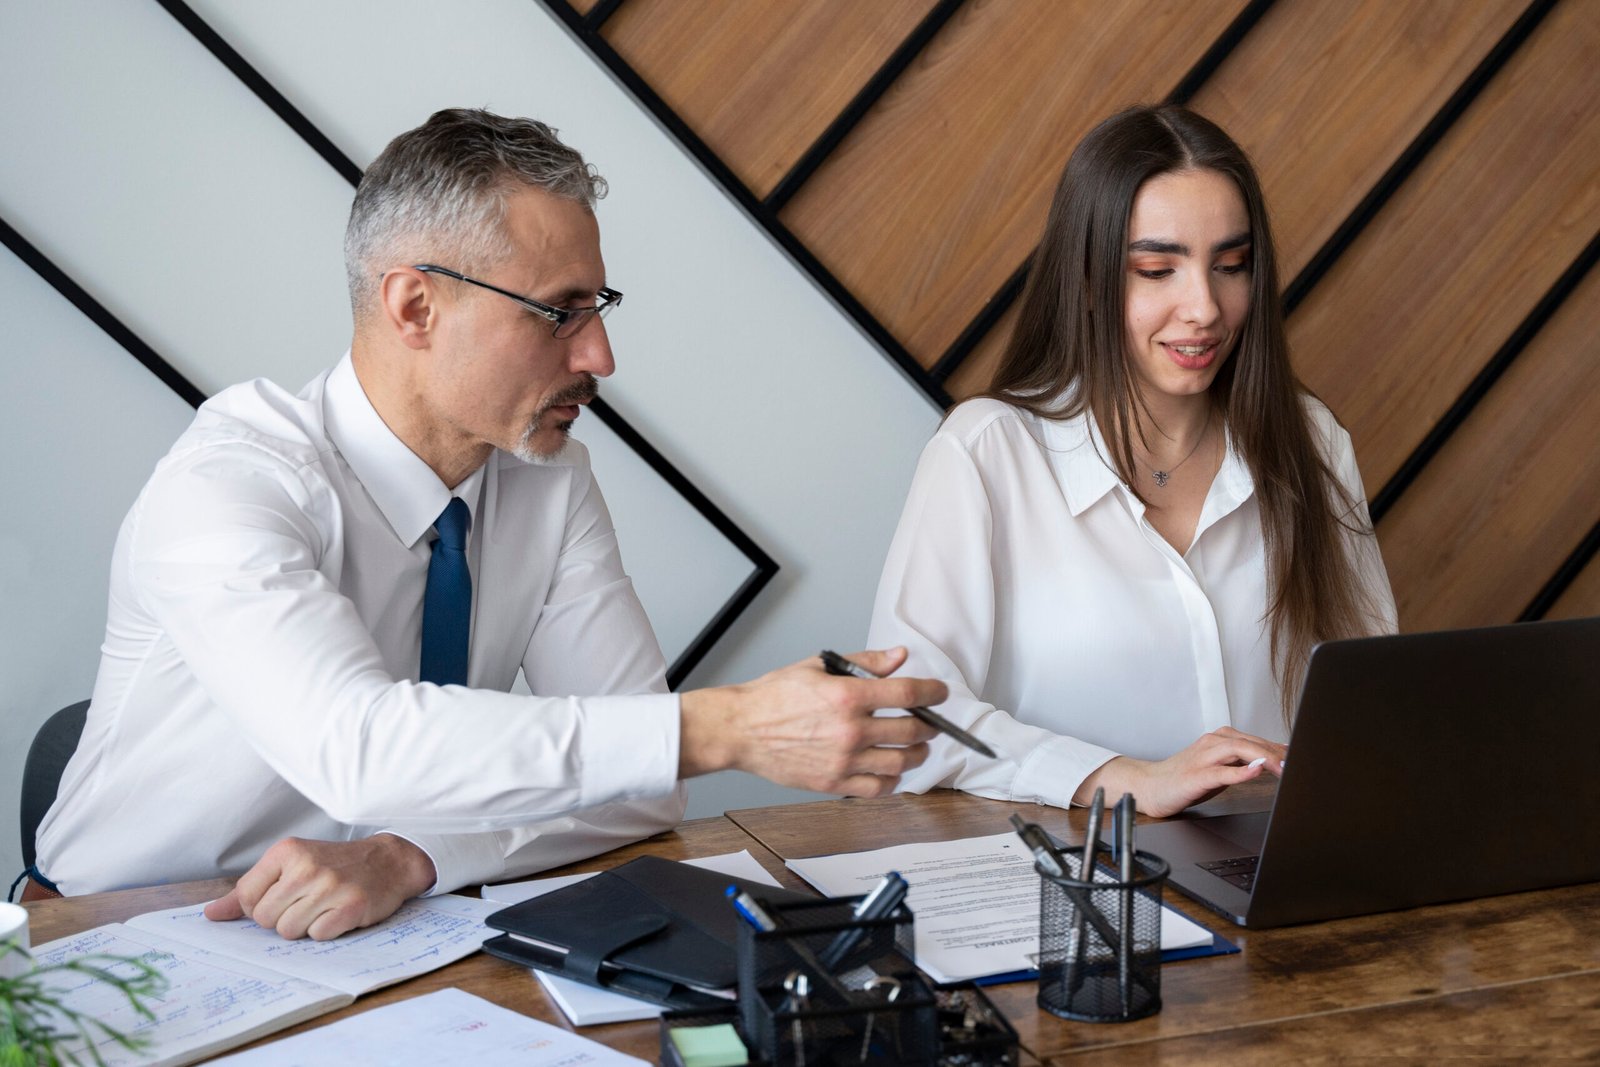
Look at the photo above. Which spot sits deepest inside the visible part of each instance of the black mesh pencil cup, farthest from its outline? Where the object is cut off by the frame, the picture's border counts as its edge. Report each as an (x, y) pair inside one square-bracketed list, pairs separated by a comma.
[(825, 988), (1100, 944)]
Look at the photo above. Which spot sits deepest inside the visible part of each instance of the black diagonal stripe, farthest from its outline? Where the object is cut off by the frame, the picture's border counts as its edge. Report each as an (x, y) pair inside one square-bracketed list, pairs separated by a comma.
[(263, 89), (96, 312), (901, 58), (1408, 160), (1564, 576), (599, 13), (1480, 385)]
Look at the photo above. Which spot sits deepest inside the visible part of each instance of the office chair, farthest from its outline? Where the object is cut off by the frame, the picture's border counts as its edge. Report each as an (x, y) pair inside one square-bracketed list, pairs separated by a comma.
[(52, 747)]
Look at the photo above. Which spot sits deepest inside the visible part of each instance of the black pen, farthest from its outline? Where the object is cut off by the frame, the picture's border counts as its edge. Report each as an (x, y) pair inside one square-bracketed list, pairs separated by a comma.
[(834, 663), (878, 904), (1124, 849)]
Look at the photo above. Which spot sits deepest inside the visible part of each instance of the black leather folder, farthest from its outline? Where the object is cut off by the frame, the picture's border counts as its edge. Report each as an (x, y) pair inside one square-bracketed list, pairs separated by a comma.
[(651, 928)]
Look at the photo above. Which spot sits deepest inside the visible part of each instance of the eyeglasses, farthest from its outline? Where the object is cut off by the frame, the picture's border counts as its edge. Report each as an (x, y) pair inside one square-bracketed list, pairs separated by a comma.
[(566, 321)]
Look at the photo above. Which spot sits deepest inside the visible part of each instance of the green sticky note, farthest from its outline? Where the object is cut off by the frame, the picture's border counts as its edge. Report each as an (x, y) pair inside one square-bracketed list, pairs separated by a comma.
[(710, 1046)]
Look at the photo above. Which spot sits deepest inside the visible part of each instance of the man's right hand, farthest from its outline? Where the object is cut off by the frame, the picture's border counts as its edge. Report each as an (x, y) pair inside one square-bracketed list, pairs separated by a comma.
[(802, 727)]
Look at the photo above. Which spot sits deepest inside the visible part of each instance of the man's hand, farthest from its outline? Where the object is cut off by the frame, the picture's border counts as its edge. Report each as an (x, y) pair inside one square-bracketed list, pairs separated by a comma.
[(324, 888), (803, 727), (1217, 760)]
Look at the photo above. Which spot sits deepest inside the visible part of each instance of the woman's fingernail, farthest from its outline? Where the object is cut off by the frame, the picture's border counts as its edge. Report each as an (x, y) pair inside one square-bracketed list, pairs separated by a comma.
[(1258, 761)]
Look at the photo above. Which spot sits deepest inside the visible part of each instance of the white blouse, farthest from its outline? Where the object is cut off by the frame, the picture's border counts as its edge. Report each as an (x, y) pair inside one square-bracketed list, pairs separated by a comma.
[(1025, 574)]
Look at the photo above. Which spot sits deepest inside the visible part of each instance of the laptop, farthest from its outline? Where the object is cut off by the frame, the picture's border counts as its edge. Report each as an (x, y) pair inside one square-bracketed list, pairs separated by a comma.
[(1422, 768)]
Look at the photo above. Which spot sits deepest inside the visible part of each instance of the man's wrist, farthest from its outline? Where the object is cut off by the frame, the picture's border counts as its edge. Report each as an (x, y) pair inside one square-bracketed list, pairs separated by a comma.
[(413, 868), (707, 740)]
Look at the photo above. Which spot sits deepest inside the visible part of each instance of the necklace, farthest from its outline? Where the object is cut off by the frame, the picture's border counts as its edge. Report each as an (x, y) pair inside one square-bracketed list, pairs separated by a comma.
[(1162, 476)]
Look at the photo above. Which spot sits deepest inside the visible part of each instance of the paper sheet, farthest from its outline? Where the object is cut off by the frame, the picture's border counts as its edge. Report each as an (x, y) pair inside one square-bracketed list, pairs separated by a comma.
[(212, 1002), (583, 1004), (976, 901), (449, 1026), (423, 935)]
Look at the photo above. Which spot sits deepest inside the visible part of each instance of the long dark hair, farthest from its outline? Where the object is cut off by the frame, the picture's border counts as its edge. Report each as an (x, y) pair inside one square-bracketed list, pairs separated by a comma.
[(1064, 359)]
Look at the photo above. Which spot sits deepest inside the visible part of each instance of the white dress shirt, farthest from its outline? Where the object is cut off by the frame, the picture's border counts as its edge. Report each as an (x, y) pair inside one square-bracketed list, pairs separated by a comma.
[(259, 673), (1025, 574)]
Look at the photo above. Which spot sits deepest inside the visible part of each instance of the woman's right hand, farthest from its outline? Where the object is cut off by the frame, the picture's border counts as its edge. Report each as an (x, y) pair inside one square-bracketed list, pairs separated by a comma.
[(1211, 764)]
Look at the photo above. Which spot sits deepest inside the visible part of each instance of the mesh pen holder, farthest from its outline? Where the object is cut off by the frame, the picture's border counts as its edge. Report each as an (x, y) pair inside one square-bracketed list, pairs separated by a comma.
[(1100, 944), (803, 1001)]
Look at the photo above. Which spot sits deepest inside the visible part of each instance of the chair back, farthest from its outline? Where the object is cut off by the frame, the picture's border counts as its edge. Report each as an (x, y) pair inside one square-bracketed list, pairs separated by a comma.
[(52, 747)]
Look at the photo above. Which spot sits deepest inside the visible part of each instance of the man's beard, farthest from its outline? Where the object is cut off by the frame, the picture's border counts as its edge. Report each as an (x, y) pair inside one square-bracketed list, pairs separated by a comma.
[(577, 393)]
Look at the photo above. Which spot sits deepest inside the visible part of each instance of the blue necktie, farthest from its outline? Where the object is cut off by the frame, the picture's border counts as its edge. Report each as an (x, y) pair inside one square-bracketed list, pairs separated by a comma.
[(447, 600)]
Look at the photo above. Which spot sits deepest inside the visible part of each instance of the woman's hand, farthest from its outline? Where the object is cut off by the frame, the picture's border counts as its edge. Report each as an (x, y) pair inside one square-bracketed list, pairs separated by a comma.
[(1217, 760)]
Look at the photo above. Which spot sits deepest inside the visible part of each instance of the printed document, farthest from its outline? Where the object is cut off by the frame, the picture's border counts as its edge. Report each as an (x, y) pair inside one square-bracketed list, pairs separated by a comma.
[(230, 983), (449, 1026), (976, 902)]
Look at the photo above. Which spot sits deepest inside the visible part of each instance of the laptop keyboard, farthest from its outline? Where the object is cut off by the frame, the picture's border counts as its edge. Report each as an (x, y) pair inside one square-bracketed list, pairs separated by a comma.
[(1239, 872)]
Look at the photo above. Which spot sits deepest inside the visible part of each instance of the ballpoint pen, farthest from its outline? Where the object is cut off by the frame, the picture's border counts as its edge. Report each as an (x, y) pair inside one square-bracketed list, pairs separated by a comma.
[(834, 663), (754, 914), (1124, 848), (878, 904), (1091, 843)]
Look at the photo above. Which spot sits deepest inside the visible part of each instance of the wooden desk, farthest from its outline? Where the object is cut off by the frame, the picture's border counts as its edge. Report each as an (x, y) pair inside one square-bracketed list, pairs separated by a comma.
[(1514, 977), (1506, 977)]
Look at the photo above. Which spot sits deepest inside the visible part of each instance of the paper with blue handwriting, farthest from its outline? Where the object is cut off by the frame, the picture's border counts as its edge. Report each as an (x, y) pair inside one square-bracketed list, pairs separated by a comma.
[(444, 1027), (230, 983)]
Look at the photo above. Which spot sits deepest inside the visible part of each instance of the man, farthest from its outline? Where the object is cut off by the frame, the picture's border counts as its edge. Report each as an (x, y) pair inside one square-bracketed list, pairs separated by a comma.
[(319, 600)]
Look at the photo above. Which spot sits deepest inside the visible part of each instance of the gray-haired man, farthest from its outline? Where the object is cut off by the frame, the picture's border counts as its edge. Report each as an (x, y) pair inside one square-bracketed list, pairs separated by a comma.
[(303, 684)]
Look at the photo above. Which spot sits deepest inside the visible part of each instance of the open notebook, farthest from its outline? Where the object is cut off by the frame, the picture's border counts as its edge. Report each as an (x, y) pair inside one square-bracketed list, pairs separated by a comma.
[(230, 983)]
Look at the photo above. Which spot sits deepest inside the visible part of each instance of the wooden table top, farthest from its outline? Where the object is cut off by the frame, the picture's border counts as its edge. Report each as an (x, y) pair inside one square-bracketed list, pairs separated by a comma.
[(1504, 978)]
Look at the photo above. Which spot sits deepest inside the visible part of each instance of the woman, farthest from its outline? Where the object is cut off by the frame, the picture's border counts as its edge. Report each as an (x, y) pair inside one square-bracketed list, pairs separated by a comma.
[(1121, 556)]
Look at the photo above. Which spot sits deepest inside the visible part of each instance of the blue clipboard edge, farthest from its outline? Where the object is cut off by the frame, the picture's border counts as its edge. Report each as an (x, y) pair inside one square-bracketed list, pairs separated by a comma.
[(1220, 946)]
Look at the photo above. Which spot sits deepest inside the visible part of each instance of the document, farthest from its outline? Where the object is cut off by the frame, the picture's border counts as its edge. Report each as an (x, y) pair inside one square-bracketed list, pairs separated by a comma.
[(976, 902), (230, 983), (449, 1026), (585, 1005)]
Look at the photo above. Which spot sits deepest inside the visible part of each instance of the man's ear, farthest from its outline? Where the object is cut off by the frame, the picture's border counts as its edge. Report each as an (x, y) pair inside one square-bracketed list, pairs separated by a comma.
[(409, 307)]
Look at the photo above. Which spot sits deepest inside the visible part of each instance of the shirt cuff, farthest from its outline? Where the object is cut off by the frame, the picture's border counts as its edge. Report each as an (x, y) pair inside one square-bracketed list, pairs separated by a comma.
[(630, 747), (1052, 772), (458, 859)]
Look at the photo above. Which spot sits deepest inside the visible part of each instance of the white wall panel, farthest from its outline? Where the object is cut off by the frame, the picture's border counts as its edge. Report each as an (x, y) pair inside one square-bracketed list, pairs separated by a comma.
[(81, 426)]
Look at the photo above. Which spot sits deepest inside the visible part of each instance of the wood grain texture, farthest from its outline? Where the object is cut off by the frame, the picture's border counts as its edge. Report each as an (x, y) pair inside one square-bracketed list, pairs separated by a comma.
[(582, 7), (942, 188), (1550, 1020), (759, 82), (1407, 317), (1513, 491), (1582, 598), (1325, 97)]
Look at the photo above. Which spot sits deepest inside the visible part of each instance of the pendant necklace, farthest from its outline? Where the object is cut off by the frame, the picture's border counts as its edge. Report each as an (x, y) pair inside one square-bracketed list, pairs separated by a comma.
[(1162, 476)]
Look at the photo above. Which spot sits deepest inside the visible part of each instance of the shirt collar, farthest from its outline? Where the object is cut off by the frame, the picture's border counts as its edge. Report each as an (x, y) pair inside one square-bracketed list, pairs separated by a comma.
[(1083, 466), (406, 490)]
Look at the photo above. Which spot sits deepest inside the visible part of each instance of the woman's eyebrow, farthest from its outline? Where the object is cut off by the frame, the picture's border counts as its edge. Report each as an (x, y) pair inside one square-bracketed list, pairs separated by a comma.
[(1174, 248)]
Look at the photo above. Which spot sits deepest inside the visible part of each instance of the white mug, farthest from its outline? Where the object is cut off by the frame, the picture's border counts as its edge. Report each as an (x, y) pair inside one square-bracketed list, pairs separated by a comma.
[(14, 928)]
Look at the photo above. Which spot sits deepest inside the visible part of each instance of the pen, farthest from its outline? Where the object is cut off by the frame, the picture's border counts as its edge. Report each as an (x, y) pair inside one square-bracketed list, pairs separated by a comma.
[(878, 904), (834, 663), (753, 913), (1124, 846), (1038, 842), (1091, 843)]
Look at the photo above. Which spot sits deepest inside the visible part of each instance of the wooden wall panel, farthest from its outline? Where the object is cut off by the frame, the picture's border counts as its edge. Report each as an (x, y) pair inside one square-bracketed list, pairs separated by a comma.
[(1413, 310), (940, 191), (977, 370), (1582, 598), (759, 82), (1513, 491), (1325, 97)]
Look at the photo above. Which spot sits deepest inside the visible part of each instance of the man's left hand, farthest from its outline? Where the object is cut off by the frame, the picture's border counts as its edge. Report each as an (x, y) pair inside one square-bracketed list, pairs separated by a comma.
[(322, 889)]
